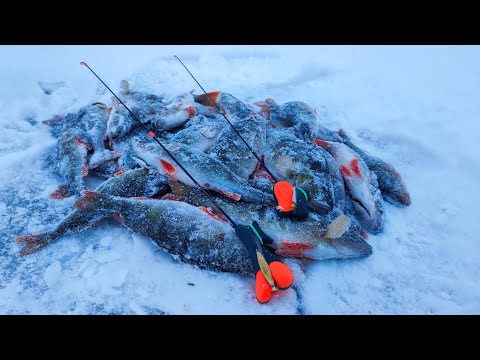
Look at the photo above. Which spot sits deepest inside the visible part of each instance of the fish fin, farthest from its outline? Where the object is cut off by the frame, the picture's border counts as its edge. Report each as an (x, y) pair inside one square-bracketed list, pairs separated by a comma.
[(294, 249), (261, 174), (91, 200), (140, 162), (118, 217), (265, 109), (115, 104), (345, 170), (260, 103), (142, 198), (120, 172), (102, 157), (179, 189), (266, 102), (355, 168), (229, 194), (172, 197), (33, 242), (54, 121), (213, 214), (204, 99), (61, 193), (321, 143), (337, 227), (270, 101), (81, 142)]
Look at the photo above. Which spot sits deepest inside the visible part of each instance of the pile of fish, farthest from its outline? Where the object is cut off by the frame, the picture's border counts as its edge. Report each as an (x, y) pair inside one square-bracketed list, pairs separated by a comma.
[(149, 193)]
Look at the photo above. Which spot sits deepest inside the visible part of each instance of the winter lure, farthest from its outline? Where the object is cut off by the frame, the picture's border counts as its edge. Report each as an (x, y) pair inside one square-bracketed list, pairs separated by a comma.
[(271, 274), (291, 200)]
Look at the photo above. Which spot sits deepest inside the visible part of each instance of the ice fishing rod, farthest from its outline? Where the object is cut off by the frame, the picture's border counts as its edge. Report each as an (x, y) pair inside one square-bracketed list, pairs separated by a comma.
[(271, 273), (152, 135), (233, 127), (292, 200)]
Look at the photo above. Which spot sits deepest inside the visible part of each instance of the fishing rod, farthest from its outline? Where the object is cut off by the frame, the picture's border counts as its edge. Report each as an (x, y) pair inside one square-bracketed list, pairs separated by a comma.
[(291, 200), (152, 135), (271, 273), (233, 127)]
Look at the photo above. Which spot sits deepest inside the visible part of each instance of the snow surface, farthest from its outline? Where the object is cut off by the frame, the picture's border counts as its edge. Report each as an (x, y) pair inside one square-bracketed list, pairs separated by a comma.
[(416, 107)]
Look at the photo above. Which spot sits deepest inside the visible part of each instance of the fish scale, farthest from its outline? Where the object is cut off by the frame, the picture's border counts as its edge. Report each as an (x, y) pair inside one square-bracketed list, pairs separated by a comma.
[(361, 184), (390, 182), (229, 149), (300, 239), (299, 116), (200, 133), (198, 235), (71, 161), (179, 228), (139, 182), (209, 172)]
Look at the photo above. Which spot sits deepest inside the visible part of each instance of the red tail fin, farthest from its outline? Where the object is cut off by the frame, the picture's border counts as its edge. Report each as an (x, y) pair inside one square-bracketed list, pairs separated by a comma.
[(210, 212), (205, 100), (61, 193), (321, 143), (89, 200), (55, 120), (33, 242)]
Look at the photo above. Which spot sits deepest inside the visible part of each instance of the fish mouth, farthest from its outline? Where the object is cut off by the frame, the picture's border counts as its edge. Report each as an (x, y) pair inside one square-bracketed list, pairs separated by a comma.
[(371, 220), (352, 243), (353, 246), (405, 199), (402, 199), (361, 207)]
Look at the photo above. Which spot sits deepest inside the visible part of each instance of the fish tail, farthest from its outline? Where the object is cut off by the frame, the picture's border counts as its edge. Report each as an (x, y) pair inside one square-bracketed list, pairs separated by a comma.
[(92, 200), (34, 242), (62, 192), (206, 99), (103, 157), (56, 120)]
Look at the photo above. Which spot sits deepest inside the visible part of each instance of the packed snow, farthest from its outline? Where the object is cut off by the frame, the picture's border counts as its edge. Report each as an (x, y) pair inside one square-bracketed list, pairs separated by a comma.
[(416, 107)]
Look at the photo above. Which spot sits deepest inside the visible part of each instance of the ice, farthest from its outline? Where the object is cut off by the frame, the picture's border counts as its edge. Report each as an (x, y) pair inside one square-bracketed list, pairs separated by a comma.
[(415, 107)]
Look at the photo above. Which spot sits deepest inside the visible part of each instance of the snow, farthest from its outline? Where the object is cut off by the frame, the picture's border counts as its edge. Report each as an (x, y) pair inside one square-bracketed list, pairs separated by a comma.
[(414, 106)]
